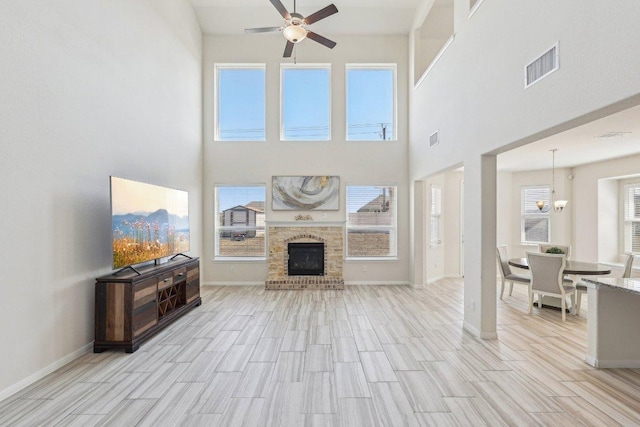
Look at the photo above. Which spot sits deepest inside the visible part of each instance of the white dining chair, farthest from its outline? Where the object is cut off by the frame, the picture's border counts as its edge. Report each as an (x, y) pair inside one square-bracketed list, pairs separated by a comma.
[(505, 271), (547, 279), (581, 287)]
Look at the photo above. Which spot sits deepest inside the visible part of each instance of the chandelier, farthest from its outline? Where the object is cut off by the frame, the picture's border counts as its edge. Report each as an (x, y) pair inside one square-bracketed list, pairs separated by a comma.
[(558, 205)]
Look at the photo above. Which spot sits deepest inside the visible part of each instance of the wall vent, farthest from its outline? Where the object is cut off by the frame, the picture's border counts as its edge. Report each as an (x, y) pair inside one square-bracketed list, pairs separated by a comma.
[(434, 139), (613, 135), (541, 67)]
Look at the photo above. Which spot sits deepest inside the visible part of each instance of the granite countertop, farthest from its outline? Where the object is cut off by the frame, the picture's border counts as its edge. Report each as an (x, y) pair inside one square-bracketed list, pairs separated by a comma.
[(629, 285)]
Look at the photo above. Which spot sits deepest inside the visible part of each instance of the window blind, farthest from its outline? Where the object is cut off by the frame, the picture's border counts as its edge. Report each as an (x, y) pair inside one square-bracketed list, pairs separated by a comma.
[(632, 218), (371, 221), (535, 223), (436, 210)]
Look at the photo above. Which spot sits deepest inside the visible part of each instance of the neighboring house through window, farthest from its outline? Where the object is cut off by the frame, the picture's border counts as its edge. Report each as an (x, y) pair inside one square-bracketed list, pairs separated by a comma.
[(371, 221), (240, 221)]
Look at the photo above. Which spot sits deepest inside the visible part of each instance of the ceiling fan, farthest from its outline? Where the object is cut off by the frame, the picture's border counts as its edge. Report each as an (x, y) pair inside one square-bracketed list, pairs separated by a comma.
[(295, 26)]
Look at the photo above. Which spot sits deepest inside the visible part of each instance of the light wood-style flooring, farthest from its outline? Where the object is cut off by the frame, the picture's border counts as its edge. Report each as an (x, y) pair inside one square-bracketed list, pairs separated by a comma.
[(365, 356)]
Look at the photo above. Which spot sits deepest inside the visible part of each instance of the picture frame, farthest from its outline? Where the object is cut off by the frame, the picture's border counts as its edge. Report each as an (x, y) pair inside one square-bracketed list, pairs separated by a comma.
[(305, 193)]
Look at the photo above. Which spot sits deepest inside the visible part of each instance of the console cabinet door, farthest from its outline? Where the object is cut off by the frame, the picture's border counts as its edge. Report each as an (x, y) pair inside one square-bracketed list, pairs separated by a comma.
[(193, 283), (145, 305)]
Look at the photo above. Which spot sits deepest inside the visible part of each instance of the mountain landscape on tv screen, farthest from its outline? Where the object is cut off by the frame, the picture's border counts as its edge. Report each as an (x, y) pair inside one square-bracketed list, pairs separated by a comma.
[(143, 236)]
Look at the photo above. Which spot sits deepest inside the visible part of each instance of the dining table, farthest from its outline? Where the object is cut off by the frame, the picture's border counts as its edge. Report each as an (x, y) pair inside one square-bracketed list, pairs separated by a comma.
[(572, 268)]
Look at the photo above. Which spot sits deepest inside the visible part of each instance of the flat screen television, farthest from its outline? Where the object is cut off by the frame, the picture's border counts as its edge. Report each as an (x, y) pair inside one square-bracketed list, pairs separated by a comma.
[(148, 222)]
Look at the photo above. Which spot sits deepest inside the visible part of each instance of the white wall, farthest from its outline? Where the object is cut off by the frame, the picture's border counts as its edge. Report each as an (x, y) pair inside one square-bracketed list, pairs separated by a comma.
[(595, 193), (452, 223), (475, 97), (356, 163), (89, 89)]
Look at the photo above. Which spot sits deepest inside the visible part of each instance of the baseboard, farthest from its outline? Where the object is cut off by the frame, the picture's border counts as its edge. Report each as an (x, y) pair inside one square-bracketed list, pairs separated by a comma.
[(435, 279), (476, 333), (607, 364), (252, 283), (352, 283), (8, 392), (377, 283)]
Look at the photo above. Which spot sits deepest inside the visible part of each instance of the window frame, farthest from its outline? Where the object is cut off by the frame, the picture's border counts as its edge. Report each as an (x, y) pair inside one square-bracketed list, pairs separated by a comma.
[(308, 66), (541, 214), (435, 216), (217, 227), (216, 101), (372, 66), (627, 222), (393, 228)]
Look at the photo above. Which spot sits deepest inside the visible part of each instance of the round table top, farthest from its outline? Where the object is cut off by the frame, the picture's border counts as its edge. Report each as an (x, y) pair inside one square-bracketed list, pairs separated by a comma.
[(579, 268)]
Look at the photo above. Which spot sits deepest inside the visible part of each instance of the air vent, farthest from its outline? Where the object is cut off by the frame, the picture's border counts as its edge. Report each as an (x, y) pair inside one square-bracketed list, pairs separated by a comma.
[(541, 67), (612, 135), (434, 139)]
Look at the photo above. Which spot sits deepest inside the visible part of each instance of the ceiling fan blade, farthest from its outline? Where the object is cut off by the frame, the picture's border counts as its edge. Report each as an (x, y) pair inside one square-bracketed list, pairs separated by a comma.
[(322, 40), (288, 49), (283, 10), (321, 14), (262, 30)]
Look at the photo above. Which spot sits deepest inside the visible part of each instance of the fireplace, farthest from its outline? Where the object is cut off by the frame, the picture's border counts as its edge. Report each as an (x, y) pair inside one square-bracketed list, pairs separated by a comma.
[(324, 244), (305, 259)]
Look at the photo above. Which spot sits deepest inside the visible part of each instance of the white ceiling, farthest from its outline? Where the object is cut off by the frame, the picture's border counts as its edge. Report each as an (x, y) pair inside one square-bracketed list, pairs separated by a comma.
[(577, 146), (581, 145), (361, 17)]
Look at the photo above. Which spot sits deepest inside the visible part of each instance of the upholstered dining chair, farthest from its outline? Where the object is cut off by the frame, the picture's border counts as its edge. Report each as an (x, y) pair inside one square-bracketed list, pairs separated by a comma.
[(546, 279), (543, 247), (505, 271), (581, 287)]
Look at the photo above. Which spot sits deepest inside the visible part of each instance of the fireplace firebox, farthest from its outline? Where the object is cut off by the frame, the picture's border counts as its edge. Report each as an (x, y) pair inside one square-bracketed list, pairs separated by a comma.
[(306, 259)]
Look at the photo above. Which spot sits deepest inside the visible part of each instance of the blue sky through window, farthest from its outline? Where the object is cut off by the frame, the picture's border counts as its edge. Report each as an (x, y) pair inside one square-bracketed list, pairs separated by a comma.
[(241, 104), (370, 104), (306, 97), (305, 109), (231, 196)]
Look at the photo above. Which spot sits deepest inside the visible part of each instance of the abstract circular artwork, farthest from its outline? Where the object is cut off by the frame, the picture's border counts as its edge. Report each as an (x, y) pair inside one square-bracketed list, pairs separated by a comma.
[(305, 193)]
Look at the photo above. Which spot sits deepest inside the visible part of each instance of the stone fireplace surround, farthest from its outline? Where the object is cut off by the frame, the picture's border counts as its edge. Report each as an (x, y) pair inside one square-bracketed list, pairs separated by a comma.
[(281, 233)]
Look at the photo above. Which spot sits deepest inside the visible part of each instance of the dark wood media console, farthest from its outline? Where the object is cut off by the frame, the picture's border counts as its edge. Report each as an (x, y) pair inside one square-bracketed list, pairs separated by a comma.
[(131, 307)]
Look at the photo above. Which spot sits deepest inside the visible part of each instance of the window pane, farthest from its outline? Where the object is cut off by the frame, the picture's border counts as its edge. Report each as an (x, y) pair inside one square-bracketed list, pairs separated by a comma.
[(436, 210), (535, 222), (632, 218), (241, 104), (370, 104), (240, 219), (368, 243), (305, 104), (534, 194), (371, 221), (635, 237), (536, 230)]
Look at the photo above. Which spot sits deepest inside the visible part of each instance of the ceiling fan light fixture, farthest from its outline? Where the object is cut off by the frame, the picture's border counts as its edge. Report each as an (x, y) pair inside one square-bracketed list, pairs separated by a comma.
[(294, 33)]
